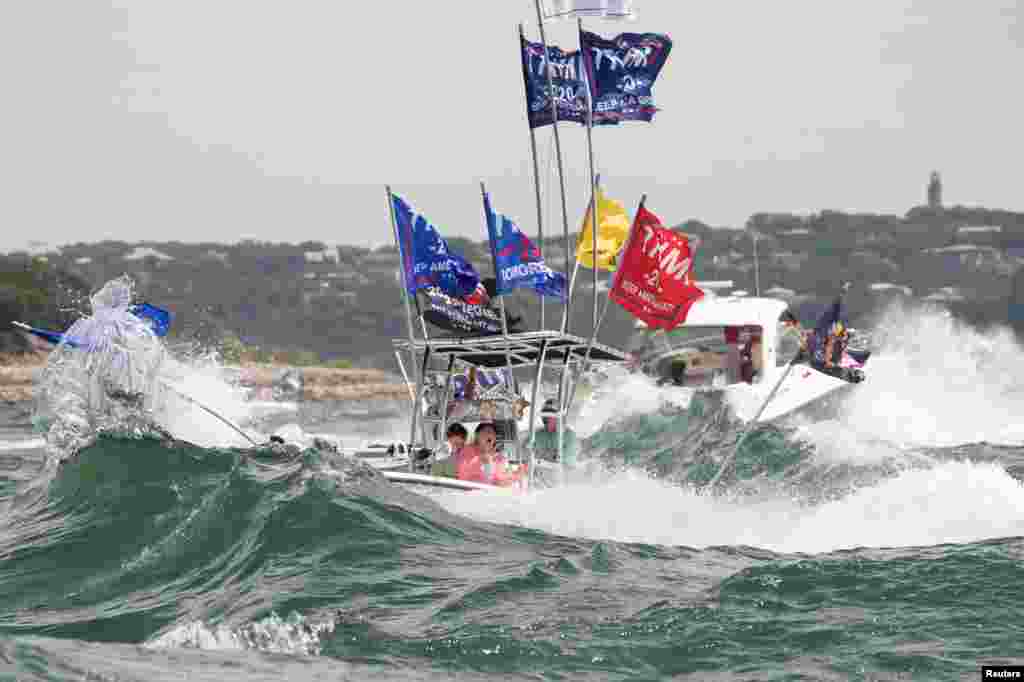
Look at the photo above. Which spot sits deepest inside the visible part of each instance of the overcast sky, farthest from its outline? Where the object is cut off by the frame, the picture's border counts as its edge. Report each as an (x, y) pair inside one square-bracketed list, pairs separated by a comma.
[(222, 120)]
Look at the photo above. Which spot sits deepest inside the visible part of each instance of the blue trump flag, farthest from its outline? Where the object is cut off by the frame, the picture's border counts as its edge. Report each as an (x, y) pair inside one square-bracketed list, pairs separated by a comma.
[(158, 318), (621, 72), (426, 259), (517, 261), (568, 85)]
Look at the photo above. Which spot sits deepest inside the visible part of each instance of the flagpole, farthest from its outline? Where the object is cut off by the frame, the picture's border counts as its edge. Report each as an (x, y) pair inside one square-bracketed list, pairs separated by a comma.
[(583, 230), (590, 154), (558, 153), (536, 175), (494, 260), (538, 375), (408, 318)]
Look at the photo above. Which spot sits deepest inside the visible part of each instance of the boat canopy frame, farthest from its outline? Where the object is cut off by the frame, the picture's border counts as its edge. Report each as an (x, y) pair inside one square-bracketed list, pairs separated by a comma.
[(539, 350), (523, 349)]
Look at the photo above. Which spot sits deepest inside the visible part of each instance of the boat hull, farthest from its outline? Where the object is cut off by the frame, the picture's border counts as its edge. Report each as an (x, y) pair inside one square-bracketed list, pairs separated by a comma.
[(804, 391), (444, 482)]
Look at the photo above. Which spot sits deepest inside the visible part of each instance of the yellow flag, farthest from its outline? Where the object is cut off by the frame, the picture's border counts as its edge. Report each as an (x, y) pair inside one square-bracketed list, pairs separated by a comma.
[(612, 231)]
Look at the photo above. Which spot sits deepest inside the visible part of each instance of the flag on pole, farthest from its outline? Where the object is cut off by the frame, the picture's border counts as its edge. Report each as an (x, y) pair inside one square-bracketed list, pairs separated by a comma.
[(654, 281), (612, 231), (517, 261), (426, 259), (458, 314), (621, 72), (566, 70), (554, 10)]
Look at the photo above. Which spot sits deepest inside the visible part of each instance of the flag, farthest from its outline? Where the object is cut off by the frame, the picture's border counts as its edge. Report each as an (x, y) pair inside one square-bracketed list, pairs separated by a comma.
[(654, 280), (612, 231), (158, 318), (517, 261), (484, 378), (621, 72), (426, 259), (553, 10), (566, 80), (457, 314), (829, 318)]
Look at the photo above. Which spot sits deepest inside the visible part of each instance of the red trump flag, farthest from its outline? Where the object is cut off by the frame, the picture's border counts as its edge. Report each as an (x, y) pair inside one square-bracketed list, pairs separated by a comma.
[(654, 281)]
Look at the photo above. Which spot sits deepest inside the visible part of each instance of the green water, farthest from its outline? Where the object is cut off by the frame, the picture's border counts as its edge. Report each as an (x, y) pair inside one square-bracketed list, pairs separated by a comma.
[(148, 560)]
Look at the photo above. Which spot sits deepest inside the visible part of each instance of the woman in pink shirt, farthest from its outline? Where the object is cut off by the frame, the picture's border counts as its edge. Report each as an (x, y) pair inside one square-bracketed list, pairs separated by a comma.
[(481, 462)]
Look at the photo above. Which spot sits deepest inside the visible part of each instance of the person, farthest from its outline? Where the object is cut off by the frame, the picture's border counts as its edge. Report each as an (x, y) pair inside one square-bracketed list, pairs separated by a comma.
[(449, 466), (792, 339), (482, 463), (545, 438), (830, 353), (732, 358), (747, 362), (751, 360)]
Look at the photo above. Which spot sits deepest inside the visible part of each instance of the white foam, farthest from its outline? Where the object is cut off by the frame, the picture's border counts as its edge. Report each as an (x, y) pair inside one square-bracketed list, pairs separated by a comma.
[(937, 382), (118, 375), (30, 444), (204, 384), (953, 502), (623, 395), (293, 635)]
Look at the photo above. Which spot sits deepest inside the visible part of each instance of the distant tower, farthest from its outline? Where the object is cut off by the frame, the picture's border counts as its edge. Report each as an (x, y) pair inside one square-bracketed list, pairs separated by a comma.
[(935, 191)]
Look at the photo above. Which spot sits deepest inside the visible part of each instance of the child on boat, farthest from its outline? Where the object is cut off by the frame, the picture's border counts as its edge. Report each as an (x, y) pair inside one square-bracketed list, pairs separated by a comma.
[(449, 466)]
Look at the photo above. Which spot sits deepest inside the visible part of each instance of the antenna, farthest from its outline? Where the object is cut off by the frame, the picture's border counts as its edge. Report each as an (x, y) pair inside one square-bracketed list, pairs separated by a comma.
[(757, 269)]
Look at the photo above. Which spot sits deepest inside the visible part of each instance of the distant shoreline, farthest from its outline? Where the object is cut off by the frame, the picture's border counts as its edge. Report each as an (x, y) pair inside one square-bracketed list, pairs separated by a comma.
[(18, 372)]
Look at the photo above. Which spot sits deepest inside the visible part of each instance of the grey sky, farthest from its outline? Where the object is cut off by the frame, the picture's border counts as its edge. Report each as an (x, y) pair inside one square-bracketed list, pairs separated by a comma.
[(228, 119)]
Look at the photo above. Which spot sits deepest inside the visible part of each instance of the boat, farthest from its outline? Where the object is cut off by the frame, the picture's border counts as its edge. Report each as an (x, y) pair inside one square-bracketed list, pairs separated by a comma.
[(646, 262), (702, 357), (447, 364)]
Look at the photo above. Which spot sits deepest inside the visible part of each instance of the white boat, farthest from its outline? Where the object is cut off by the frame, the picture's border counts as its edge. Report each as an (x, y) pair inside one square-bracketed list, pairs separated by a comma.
[(385, 456), (708, 346), (441, 360)]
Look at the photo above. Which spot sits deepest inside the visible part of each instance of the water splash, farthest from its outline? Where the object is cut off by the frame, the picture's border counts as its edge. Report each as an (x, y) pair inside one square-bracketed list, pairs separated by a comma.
[(113, 374), (953, 502), (935, 381), (273, 634)]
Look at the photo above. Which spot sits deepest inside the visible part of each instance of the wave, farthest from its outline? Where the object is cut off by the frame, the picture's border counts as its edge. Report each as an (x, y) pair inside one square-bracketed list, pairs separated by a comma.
[(163, 533), (956, 502)]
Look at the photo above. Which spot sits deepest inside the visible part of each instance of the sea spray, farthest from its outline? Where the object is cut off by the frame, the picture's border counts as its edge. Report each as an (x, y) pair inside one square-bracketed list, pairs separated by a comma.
[(112, 374), (954, 502), (102, 376), (935, 381)]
